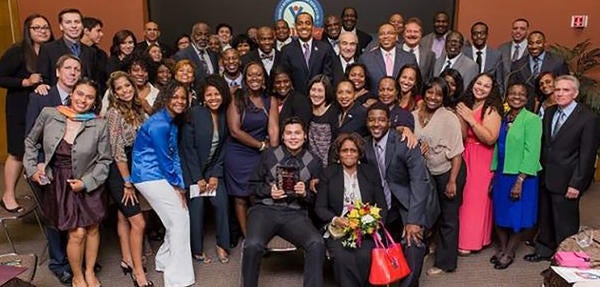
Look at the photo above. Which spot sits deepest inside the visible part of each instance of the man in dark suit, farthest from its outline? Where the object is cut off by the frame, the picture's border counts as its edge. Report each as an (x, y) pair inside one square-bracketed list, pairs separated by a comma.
[(92, 35), (232, 69), (71, 26), (396, 20), (347, 56), (333, 28), (205, 61), (514, 50), (266, 54), (569, 146), (435, 41), (282, 34), (388, 59), (411, 199), (349, 19), (306, 57), (455, 59), (527, 69), (151, 35), (68, 72), (413, 32), (487, 59)]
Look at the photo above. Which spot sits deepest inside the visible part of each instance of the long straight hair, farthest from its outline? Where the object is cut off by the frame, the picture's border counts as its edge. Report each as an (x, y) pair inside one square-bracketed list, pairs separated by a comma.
[(27, 42)]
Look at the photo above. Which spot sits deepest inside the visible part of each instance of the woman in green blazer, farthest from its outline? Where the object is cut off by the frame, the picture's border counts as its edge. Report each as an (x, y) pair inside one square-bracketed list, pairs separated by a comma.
[(515, 186)]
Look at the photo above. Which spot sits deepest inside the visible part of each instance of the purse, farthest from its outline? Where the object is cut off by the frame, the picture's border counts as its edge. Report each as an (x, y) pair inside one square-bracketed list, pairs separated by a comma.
[(388, 263), (572, 259)]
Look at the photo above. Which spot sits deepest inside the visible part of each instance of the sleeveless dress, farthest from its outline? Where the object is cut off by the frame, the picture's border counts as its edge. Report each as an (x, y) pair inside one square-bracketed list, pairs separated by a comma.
[(475, 213), (515, 214), (64, 208), (240, 159)]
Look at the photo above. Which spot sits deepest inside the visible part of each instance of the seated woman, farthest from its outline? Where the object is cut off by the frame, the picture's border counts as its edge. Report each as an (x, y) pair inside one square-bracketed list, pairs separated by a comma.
[(202, 146), (342, 183), (282, 209), (156, 173), (73, 188), (515, 184), (357, 74)]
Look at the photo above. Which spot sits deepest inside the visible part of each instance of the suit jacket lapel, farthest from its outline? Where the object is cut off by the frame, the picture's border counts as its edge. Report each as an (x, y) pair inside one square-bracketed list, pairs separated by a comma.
[(397, 60), (363, 184), (569, 121), (380, 61), (390, 147)]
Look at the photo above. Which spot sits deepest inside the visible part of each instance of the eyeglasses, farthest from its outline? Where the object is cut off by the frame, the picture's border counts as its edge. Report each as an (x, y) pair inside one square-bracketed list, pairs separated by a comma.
[(39, 28)]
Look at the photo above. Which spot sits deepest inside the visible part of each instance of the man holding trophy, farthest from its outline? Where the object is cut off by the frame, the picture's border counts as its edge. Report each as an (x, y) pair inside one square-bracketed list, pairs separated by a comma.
[(280, 185)]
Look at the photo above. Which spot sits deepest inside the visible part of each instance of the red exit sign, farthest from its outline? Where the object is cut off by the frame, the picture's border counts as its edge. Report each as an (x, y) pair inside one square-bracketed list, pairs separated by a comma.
[(579, 21)]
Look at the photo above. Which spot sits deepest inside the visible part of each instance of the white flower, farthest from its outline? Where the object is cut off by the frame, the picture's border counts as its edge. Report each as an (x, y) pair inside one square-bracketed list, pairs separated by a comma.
[(367, 219)]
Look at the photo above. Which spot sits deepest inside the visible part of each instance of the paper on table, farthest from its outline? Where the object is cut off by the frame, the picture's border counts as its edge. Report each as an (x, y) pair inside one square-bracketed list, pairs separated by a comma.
[(572, 275), (195, 192)]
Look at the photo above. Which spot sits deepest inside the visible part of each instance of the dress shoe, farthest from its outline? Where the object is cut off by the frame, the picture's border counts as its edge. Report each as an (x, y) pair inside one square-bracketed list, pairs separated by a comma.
[(435, 271), (494, 259), (534, 257), (64, 277), (503, 263)]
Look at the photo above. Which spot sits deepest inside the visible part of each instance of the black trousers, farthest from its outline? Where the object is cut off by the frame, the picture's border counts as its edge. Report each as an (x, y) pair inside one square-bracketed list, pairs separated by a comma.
[(446, 250), (264, 222), (559, 219), (351, 266)]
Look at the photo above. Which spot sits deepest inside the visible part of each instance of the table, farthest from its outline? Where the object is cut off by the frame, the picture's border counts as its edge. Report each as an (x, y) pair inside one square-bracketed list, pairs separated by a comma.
[(551, 279)]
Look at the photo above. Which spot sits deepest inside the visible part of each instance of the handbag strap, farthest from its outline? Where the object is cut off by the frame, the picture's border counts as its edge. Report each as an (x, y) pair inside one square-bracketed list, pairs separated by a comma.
[(388, 236)]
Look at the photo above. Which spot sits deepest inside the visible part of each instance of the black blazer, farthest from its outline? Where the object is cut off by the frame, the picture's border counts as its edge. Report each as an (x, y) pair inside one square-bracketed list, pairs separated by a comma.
[(50, 52), (363, 40), (253, 56), (189, 53), (37, 103), (320, 62), (195, 143), (297, 105), (520, 71), (12, 72), (568, 158), (409, 181), (330, 191), (338, 71), (355, 121)]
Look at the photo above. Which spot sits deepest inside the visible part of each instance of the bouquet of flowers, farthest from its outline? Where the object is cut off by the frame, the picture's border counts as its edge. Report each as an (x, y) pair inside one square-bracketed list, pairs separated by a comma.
[(362, 219)]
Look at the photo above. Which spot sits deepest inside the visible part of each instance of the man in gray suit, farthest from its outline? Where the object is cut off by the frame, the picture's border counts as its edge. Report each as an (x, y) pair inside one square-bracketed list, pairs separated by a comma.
[(436, 40), (455, 59), (487, 59), (410, 196), (388, 59), (413, 32), (199, 54), (514, 50)]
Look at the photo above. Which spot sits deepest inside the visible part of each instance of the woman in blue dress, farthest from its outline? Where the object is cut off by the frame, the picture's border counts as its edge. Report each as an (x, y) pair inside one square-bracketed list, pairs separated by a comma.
[(252, 119), (515, 184)]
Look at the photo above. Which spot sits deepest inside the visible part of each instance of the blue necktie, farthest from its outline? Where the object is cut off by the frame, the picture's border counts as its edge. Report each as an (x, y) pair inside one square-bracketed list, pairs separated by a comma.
[(76, 49)]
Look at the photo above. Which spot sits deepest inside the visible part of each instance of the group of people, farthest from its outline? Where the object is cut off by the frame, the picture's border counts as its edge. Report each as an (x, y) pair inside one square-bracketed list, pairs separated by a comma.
[(450, 139)]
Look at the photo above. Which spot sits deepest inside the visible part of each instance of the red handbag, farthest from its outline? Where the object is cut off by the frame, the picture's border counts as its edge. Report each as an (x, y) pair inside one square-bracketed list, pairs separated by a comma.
[(387, 263)]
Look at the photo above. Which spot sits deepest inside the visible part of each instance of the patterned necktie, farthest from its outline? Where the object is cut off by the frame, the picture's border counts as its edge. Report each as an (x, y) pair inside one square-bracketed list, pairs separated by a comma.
[(536, 66), (448, 65), (76, 49), (559, 122), (306, 53), (201, 54), (478, 60), (381, 166), (515, 55), (389, 65)]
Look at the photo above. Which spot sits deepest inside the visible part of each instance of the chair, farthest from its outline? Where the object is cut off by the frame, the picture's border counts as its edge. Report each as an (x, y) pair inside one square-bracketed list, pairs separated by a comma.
[(28, 261), (30, 203)]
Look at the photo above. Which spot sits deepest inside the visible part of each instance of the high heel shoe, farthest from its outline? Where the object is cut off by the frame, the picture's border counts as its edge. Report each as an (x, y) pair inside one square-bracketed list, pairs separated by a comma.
[(135, 284), (125, 268)]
